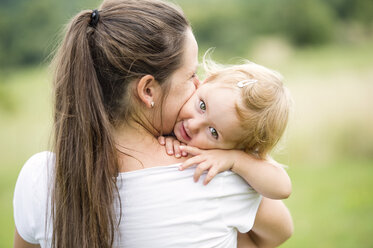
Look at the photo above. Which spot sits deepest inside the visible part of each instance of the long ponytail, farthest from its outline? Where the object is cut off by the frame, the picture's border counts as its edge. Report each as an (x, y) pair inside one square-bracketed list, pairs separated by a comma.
[(85, 153), (93, 68)]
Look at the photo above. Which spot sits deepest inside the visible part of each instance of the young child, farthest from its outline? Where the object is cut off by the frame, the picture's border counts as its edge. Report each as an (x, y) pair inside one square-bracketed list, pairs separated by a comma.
[(242, 110), (232, 122)]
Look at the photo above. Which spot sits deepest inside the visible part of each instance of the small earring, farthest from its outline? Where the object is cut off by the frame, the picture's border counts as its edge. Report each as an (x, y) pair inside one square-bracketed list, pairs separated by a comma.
[(152, 104)]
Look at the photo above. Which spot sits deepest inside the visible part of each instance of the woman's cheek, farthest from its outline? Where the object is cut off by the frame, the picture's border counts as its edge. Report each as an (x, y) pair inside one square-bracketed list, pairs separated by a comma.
[(191, 92)]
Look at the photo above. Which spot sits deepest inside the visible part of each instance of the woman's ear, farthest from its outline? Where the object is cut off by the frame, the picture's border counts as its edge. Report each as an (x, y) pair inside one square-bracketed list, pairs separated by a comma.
[(147, 90)]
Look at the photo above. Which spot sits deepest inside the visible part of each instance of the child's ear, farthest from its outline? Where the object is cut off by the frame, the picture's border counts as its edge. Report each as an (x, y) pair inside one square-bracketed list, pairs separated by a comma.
[(148, 90)]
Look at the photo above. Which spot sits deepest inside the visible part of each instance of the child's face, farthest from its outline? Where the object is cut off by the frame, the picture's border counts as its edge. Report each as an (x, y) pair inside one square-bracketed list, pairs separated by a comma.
[(208, 119)]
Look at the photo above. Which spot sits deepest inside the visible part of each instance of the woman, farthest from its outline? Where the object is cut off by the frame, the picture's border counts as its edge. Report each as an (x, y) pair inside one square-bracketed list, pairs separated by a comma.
[(122, 75)]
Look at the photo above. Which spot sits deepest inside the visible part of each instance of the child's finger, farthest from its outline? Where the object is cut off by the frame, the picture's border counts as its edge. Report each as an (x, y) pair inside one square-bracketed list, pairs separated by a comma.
[(169, 146), (161, 140), (190, 162), (210, 175), (177, 149), (183, 153), (200, 169), (191, 150)]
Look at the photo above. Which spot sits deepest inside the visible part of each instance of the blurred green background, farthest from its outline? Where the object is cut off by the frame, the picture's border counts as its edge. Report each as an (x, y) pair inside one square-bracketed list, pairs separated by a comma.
[(324, 49)]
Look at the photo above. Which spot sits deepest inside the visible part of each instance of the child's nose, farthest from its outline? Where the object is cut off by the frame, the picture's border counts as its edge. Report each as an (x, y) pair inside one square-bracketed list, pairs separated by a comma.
[(195, 125)]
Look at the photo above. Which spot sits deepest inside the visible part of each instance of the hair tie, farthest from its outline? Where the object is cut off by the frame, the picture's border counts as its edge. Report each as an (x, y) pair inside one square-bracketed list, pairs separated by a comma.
[(95, 16)]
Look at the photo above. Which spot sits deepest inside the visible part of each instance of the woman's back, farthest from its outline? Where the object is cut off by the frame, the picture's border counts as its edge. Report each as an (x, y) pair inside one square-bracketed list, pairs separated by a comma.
[(161, 207)]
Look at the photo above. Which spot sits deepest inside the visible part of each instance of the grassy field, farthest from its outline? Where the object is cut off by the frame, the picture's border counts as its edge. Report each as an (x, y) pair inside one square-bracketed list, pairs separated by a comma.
[(328, 146), (24, 124)]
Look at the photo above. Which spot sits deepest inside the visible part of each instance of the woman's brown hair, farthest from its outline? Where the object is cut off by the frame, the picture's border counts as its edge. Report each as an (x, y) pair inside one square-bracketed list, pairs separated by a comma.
[(93, 67)]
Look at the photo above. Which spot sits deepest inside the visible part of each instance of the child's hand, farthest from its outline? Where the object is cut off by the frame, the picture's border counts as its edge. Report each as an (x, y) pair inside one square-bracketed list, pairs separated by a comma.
[(215, 161), (172, 146)]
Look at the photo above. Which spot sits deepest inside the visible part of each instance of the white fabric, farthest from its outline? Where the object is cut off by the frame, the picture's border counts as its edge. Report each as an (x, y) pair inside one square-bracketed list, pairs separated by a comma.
[(161, 207)]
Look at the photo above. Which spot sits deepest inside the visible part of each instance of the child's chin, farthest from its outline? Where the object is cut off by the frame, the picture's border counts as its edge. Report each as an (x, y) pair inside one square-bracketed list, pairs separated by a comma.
[(178, 136)]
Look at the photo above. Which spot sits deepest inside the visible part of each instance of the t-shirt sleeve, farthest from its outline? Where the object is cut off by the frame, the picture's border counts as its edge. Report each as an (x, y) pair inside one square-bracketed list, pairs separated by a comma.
[(240, 202), (27, 203)]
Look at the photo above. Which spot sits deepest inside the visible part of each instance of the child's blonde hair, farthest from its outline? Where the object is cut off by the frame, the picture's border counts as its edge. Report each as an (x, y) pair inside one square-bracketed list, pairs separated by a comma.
[(264, 105)]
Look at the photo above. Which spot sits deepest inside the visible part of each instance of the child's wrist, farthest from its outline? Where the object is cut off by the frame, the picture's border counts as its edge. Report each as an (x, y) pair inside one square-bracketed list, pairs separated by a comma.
[(238, 158)]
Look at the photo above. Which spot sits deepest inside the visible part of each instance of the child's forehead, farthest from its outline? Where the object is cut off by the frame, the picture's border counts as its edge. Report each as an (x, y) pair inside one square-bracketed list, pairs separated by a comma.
[(217, 94), (224, 80), (215, 84)]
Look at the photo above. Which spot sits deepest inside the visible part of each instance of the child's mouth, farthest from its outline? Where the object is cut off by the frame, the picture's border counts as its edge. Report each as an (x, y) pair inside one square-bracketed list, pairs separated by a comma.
[(183, 132)]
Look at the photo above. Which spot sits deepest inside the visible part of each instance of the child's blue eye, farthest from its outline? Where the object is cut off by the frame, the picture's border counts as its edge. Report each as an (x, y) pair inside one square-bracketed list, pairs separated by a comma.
[(214, 133), (202, 105)]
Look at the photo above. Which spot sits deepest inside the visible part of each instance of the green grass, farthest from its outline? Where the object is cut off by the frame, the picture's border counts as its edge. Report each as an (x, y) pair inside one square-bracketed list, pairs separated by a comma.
[(24, 124), (328, 147), (331, 204)]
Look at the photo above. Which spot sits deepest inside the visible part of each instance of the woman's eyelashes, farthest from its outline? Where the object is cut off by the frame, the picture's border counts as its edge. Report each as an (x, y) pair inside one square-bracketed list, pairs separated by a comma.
[(213, 132)]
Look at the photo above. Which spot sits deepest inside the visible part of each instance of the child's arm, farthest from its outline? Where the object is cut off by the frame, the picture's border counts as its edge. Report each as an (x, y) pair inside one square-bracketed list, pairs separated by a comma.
[(264, 176)]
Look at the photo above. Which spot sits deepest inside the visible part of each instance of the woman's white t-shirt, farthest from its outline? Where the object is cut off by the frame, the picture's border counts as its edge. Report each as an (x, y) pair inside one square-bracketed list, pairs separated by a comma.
[(161, 207)]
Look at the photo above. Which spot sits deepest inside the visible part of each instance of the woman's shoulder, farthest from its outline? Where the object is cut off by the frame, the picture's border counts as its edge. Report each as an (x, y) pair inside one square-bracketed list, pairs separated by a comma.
[(37, 163), (39, 159), (30, 196), (36, 169)]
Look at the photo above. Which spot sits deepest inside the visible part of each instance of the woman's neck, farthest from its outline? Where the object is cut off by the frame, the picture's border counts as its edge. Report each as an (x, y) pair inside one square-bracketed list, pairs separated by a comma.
[(138, 148), (134, 136)]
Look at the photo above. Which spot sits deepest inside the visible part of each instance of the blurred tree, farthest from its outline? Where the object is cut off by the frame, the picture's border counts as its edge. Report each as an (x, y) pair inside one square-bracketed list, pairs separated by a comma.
[(306, 22), (29, 29), (356, 10), (26, 27), (233, 25)]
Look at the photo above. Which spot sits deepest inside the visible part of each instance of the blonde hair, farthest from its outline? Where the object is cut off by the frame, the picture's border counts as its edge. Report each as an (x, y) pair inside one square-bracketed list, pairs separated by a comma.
[(263, 108)]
